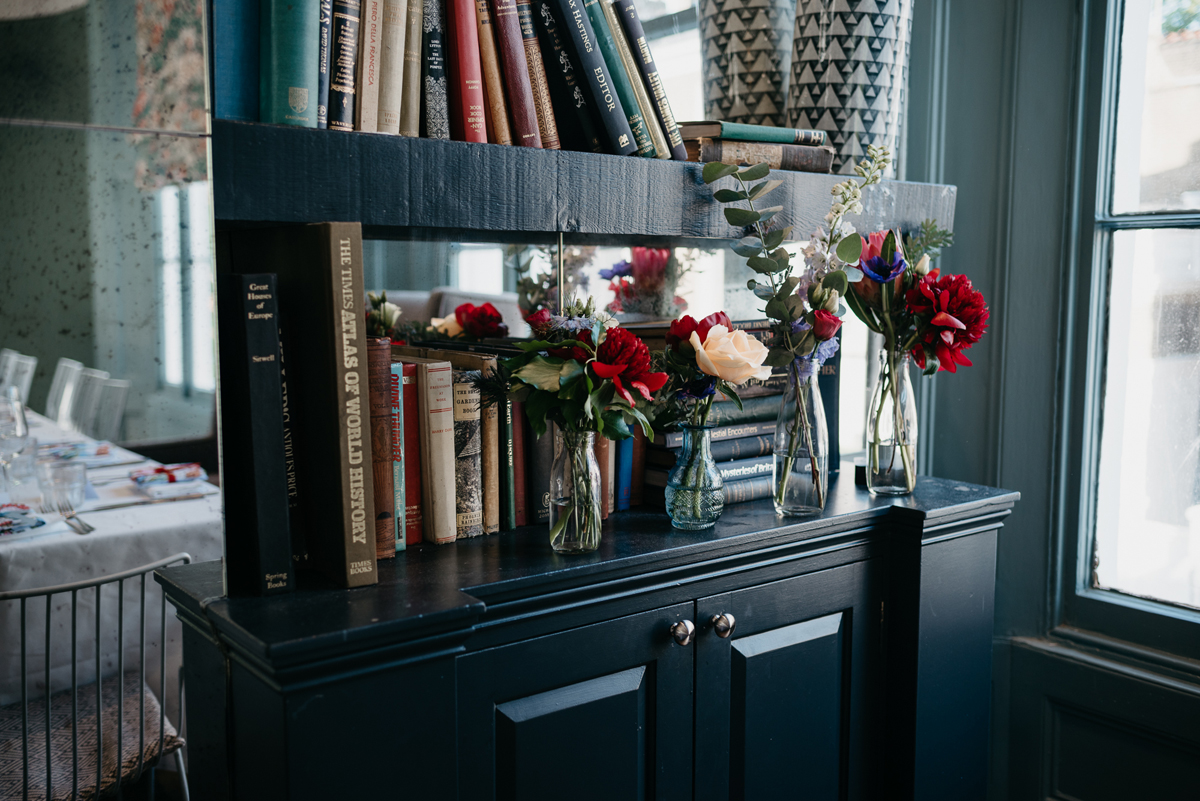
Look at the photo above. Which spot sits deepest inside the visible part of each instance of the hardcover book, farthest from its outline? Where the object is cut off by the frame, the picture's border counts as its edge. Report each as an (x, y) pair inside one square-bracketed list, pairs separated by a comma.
[(468, 469), (435, 111), (391, 64), (324, 40), (540, 455), (508, 497), (754, 410), (414, 531), (629, 67), (636, 36), (639, 466), (258, 547), (366, 112), (379, 373), (716, 129), (410, 98), (518, 89), (234, 59), (722, 451), (730, 471), (288, 36), (320, 281), (674, 439), (750, 489), (622, 86), (796, 158), (547, 126), (624, 472), (343, 63), (290, 456), (578, 31), (577, 129), (435, 397), (522, 511), (396, 400), (467, 117), (493, 83), (601, 445)]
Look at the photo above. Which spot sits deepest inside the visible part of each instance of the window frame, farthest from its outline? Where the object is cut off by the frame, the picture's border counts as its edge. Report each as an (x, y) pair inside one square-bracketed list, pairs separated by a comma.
[(1080, 610)]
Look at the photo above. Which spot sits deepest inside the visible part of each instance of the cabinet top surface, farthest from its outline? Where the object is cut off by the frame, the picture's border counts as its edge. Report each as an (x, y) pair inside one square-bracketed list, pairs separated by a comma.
[(430, 589)]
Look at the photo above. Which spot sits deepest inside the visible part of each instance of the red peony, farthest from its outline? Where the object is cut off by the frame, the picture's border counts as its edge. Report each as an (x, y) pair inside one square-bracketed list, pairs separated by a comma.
[(649, 267), (680, 330), (951, 317), (623, 356), (571, 352), (539, 321), (825, 325), (481, 321)]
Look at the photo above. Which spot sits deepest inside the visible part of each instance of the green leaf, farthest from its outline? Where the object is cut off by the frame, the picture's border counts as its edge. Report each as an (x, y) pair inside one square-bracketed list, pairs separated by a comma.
[(641, 419), (776, 309), (763, 266), (729, 195), (888, 249), (755, 173), (728, 392), (758, 190), (788, 286), (763, 292), (742, 217), (751, 284), (778, 358), (564, 515), (850, 248), (614, 424), (774, 239), (543, 372), (836, 281), (537, 344), (747, 246), (715, 171), (931, 361), (768, 214), (794, 303)]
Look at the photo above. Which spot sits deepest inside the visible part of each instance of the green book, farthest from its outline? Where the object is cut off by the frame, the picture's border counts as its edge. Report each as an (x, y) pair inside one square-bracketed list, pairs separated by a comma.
[(739, 131), (754, 410), (288, 54), (508, 487), (620, 79)]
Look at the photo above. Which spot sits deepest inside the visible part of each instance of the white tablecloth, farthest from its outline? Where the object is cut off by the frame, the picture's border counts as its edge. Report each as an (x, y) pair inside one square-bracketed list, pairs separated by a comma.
[(124, 539)]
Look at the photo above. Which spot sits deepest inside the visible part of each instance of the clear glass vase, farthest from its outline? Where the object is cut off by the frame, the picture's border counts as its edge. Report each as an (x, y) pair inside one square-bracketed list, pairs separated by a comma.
[(892, 428), (575, 494), (695, 492), (801, 477)]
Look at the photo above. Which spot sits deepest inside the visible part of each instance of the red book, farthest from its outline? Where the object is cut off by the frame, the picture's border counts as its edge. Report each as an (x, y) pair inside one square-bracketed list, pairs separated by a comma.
[(602, 446), (520, 480), (511, 46), (468, 118), (413, 531)]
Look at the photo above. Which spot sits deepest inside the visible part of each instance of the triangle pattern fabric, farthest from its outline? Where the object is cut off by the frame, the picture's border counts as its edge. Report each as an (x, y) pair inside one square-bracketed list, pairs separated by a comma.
[(748, 53)]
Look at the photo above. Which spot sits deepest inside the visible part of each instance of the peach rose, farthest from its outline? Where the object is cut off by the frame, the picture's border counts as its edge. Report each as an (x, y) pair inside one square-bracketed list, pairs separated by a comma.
[(730, 355), (447, 325)]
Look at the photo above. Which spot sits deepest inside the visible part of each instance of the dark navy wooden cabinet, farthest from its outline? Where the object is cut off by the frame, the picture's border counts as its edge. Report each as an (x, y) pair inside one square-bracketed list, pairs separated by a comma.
[(840, 657)]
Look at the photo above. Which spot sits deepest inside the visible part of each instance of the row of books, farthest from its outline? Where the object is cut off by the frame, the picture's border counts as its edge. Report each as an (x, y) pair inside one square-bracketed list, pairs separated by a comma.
[(571, 74), (798, 150)]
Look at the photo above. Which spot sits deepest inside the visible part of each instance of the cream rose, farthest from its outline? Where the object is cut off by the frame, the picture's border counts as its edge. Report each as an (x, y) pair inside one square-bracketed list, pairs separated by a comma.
[(730, 356), (447, 325)]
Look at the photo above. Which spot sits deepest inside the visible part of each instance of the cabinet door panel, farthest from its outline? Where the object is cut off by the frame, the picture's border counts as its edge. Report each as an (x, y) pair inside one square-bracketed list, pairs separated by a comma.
[(598, 712)]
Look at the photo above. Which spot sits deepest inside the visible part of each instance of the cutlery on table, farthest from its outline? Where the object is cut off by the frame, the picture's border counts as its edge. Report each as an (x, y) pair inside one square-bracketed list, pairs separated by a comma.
[(148, 501), (68, 513), (46, 509)]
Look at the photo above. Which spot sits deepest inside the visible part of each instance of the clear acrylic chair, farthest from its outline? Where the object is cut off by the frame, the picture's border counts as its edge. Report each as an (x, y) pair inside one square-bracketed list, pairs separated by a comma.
[(5, 355), (88, 730), (18, 372), (110, 409), (62, 391), (86, 396)]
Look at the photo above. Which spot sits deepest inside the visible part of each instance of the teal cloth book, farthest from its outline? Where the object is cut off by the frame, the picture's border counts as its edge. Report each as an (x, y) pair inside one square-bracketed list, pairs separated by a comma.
[(620, 79), (624, 472), (397, 399), (744, 132), (288, 53)]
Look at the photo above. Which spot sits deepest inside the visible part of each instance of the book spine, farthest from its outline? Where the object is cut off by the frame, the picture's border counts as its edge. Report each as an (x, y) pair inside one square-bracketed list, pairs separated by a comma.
[(518, 89), (467, 117), (295, 511), (379, 393), (435, 112), (468, 449), (343, 63), (525, 497), (746, 468), (567, 94), (766, 133), (493, 83), (752, 489), (508, 446), (629, 66), (414, 531), (828, 382), (437, 448), (581, 36), (257, 543), (325, 37), (490, 457), (624, 479), (357, 487), (636, 35), (547, 126), (287, 89), (601, 445), (396, 399), (366, 116), (612, 476), (675, 438), (410, 98), (391, 64), (754, 410), (540, 455), (796, 158), (235, 56), (639, 466), (621, 84)]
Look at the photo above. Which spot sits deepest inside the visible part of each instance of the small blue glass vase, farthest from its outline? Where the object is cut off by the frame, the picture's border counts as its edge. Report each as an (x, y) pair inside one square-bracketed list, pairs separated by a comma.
[(695, 493)]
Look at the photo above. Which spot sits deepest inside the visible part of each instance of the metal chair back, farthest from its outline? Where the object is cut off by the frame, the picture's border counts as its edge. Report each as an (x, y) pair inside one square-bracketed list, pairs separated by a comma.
[(110, 409), (62, 391), (87, 395), (31, 597)]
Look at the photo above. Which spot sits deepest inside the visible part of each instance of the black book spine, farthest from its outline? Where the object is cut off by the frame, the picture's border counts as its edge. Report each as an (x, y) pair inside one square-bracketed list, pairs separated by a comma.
[(343, 63), (827, 381), (258, 548), (596, 76), (295, 512), (567, 94), (541, 458), (326, 27), (632, 24), (435, 108)]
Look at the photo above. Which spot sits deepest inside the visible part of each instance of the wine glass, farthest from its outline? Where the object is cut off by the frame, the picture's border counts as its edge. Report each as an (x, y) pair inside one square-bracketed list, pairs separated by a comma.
[(14, 430)]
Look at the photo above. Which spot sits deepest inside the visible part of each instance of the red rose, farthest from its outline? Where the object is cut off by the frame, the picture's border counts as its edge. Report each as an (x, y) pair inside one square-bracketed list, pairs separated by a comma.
[(570, 352), (623, 356), (481, 321), (825, 325), (716, 318), (951, 317), (539, 321), (681, 330)]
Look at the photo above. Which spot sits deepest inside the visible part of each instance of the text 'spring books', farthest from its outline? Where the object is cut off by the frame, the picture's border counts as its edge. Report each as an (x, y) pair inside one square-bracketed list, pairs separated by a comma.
[(258, 547), (287, 56)]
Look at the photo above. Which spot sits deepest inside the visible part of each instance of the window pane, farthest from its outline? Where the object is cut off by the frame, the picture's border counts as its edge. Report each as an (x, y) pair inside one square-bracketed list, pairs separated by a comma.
[(1157, 161), (1148, 503)]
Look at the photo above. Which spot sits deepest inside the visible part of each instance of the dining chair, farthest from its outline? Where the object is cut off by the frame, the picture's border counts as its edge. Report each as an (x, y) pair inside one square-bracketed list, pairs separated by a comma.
[(18, 372), (62, 391), (88, 730), (110, 409), (87, 394), (5, 355)]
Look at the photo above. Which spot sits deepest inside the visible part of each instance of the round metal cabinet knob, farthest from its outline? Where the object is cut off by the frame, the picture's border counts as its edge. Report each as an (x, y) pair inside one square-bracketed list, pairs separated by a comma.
[(723, 624), (683, 632)]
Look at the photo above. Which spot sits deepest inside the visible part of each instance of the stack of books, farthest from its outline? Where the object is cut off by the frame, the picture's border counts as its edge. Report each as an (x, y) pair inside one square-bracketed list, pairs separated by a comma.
[(793, 149), (569, 74)]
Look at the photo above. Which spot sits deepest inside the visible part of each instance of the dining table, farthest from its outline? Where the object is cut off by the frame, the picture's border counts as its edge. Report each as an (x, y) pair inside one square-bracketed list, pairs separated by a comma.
[(134, 533)]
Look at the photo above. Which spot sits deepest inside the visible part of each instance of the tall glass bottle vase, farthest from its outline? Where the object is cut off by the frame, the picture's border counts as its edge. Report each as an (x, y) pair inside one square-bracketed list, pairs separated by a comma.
[(695, 493), (575, 494), (801, 477), (892, 429)]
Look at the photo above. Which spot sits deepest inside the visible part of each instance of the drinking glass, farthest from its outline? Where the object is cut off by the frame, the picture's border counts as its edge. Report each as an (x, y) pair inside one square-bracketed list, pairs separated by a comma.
[(62, 482), (14, 430), (21, 475)]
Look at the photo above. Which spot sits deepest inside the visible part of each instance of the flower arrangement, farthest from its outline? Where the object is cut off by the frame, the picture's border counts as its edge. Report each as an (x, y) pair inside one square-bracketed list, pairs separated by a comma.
[(705, 358), (646, 283), (471, 322), (383, 317)]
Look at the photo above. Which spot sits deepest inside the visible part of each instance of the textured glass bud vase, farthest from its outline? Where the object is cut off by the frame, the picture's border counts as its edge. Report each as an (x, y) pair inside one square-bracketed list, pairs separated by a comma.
[(892, 429), (801, 477), (575, 494), (695, 492)]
